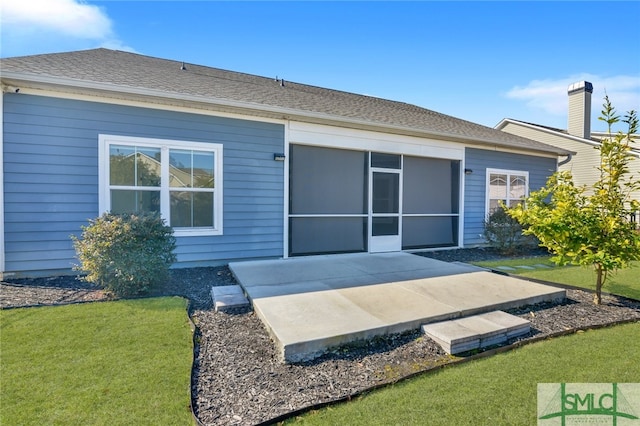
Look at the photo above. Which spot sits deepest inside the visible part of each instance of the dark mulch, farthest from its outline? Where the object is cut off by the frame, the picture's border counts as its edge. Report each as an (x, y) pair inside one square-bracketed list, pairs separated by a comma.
[(481, 253), (237, 375)]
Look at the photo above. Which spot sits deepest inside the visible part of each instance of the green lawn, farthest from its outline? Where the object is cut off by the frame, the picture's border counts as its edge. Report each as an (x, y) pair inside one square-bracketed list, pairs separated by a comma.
[(109, 363), (625, 282), (499, 390)]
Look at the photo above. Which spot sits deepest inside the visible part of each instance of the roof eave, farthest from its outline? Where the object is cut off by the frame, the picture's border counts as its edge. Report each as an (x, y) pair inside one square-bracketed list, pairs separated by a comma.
[(268, 111)]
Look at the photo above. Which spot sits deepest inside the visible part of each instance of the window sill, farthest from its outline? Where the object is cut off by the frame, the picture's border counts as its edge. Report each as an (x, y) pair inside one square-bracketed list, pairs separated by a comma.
[(196, 232)]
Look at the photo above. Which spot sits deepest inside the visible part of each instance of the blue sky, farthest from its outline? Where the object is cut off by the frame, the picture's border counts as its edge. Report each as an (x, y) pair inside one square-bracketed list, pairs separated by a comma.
[(480, 61)]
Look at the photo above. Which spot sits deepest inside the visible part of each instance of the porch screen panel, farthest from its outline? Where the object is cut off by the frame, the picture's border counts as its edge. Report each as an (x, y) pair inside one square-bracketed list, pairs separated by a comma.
[(429, 231), (328, 200), (430, 186), (430, 207), (327, 181), (318, 235)]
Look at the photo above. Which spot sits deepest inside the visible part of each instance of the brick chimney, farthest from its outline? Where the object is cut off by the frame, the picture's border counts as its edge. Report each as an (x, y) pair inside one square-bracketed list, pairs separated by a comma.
[(580, 109)]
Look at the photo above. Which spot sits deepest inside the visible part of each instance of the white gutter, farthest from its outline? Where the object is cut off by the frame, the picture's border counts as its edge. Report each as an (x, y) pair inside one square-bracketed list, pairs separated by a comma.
[(285, 113)]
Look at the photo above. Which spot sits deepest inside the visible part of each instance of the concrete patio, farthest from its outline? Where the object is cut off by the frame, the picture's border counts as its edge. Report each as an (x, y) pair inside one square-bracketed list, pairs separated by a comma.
[(310, 304)]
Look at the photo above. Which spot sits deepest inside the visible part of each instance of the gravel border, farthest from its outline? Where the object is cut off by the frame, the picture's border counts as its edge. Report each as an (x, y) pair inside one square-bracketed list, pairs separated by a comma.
[(237, 378)]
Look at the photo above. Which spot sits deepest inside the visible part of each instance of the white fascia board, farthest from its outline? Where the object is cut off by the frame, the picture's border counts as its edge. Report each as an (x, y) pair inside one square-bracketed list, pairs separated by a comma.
[(275, 112), (363, 140), (503, 123)]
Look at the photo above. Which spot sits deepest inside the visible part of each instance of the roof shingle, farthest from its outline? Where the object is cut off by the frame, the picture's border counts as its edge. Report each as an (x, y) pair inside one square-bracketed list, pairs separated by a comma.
[(134, 71)]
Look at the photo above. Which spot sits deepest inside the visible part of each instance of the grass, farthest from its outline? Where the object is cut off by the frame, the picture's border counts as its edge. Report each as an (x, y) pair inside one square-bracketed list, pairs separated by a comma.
[(625, 282), (499, 390), (109, 363)]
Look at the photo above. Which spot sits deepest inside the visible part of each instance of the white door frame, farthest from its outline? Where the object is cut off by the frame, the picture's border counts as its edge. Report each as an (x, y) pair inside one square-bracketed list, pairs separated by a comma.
[(385, 243)]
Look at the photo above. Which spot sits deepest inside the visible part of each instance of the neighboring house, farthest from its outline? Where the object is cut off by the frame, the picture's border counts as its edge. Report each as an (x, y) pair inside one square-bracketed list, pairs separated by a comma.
[(578, 137), (243, 167)]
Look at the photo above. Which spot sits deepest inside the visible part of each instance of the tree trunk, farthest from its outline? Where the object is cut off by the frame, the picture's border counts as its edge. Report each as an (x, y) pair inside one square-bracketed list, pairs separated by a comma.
[(597, 297)]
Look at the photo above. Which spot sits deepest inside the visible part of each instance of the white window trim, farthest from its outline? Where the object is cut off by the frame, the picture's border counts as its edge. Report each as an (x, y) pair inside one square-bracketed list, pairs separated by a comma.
[(502, 172), (104, 142)]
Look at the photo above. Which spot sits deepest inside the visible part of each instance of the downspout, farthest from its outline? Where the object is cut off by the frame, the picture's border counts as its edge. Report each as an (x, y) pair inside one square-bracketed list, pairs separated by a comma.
[(565, 161)]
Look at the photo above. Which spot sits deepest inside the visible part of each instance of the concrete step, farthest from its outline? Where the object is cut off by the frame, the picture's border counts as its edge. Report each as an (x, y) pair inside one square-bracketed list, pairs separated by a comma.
[(228, 297), (477, 331)]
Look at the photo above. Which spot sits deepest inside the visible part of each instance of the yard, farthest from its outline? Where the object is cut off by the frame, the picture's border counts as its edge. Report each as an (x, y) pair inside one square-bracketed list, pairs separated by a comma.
[(625, 282), (105, 363), (499, 390), (128, 362)]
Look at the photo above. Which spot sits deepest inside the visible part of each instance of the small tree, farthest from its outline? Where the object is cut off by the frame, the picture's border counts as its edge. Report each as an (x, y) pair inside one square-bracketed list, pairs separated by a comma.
[(590, 230), (126, 254)]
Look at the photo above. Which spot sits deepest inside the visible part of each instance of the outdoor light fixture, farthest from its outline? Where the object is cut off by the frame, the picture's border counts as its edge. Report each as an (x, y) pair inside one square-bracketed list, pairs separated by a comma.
[(278, 157), (468, 171)]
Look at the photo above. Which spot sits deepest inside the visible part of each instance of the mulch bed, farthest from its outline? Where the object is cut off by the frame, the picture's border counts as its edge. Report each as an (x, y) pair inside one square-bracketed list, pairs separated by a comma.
[(237, 376)]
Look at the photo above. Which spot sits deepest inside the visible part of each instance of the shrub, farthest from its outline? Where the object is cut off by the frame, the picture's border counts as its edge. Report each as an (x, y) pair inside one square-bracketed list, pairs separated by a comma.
[(505, 233), (126, 254)]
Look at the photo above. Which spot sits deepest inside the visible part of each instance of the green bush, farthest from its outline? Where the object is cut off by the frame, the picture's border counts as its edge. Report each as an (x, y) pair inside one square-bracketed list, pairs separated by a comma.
[(126, 254), (505, 233)]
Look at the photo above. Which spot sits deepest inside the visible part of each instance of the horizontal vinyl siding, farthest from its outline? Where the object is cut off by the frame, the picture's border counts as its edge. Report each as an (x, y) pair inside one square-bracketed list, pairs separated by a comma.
[(51, 178), (479, 160)]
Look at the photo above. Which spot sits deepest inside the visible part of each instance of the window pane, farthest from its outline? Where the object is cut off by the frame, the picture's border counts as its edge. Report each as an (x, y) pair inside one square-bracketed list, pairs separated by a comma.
[(203, 209), (180, 169), (147, 166), (495, 205), (122, 168), (203, 168), (498, 186), (191, 169), (386, 161), (517, 188), (144, 171), (123, 201), (384, 226), (191, 209)]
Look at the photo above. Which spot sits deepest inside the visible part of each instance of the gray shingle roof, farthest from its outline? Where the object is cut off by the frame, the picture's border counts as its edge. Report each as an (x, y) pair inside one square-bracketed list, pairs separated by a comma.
[(130, 71)]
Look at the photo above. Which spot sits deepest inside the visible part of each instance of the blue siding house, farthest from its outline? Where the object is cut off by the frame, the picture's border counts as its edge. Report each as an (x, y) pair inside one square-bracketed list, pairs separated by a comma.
[(241, 166)]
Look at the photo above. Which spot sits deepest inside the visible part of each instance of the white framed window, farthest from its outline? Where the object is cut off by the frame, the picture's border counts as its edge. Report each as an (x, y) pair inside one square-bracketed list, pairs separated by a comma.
[(181, 180), (509, 186)]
